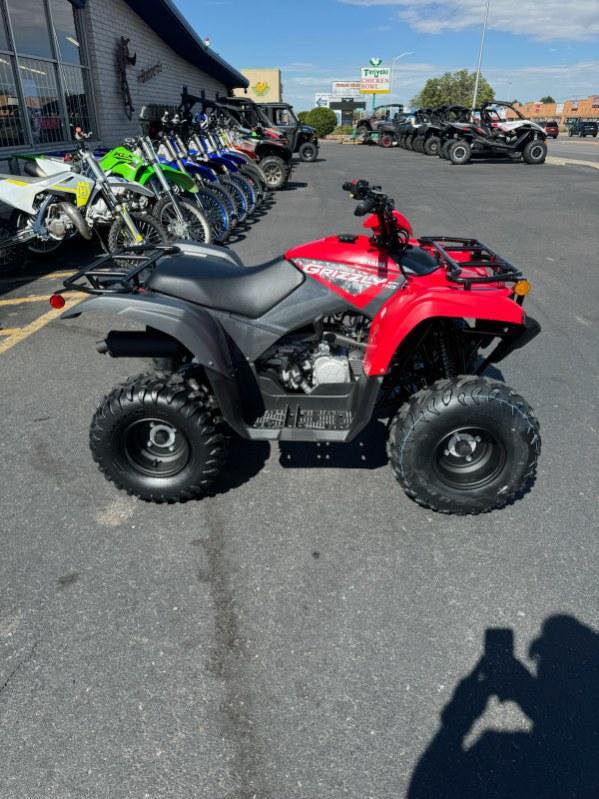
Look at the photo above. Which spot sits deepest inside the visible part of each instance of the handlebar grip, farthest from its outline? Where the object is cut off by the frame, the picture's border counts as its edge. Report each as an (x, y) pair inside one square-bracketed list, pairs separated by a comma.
[(365, 207)]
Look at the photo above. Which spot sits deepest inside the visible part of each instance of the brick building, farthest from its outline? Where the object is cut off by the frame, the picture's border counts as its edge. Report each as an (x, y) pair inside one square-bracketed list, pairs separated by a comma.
[(65, 63), (563, 112)]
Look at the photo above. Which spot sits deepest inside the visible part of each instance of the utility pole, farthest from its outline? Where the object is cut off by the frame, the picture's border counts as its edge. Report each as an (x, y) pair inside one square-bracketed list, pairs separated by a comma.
[(480, 55)]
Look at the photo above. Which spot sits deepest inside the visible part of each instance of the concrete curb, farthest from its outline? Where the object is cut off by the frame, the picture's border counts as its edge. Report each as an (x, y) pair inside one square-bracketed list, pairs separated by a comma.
[(557, 161)]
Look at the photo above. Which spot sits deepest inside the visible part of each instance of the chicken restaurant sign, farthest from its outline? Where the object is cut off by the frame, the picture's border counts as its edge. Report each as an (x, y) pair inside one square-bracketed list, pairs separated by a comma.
[(375, 80)]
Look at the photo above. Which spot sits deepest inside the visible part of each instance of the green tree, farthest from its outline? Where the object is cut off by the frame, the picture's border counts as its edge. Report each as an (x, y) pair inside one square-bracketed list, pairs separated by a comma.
[(323, 119), (453, 88), (303, 116), (547, 99)]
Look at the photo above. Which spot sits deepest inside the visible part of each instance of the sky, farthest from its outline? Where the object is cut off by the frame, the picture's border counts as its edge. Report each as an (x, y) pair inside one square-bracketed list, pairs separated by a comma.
[(533, 47)]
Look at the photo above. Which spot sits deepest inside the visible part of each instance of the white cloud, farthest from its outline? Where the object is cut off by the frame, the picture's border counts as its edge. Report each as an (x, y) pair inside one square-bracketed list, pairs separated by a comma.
[(572, 20), (562, 81)]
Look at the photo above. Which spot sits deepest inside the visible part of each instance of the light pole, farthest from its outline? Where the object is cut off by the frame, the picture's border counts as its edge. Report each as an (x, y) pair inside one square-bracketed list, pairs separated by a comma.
[(393, 63), (480, 55)]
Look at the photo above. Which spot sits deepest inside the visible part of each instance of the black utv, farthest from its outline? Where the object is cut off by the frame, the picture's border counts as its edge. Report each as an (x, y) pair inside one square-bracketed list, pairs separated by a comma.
[(383, 121), (271, 146), (498, 129), (428, 136), (302, 138)]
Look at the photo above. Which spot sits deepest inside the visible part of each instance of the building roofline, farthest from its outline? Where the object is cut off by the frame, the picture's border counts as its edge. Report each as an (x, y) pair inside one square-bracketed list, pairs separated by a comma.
[(170, 25)]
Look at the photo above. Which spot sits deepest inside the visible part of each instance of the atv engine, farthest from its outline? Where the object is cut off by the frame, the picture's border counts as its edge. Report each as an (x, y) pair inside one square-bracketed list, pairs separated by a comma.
[(303, 369), (304, 362)]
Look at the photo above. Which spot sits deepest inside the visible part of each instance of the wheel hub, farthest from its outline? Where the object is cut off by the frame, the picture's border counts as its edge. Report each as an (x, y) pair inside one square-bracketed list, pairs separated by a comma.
[(162, 436), (463, 445), (155, 448), (469, 458)]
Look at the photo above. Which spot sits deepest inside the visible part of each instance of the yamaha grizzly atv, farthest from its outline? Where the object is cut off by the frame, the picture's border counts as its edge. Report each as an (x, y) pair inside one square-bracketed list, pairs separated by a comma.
[(311, 347), (497, 134)]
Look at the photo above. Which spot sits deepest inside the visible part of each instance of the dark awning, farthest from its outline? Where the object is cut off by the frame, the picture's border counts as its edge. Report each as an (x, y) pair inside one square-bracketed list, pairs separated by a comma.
[(172, 27)]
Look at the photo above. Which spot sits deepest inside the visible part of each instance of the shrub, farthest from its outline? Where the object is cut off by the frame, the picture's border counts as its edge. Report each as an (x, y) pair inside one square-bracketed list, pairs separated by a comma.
[(323, 120)]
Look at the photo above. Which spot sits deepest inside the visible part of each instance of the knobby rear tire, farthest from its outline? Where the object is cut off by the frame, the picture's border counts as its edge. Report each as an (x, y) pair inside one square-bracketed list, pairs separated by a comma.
[(169, 401)]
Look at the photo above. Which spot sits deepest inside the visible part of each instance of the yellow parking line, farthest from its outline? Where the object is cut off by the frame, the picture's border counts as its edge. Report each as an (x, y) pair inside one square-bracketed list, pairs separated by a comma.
[(58, 275), (23, 300), (20, 334), (8, 331)]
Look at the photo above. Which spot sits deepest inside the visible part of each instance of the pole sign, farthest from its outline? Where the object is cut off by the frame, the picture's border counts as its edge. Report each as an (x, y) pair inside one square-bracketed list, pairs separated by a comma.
[(346, 88), (375, 80)]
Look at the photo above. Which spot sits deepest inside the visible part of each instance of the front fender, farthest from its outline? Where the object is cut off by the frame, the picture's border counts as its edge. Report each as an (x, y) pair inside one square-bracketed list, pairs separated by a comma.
[(407, 309), (194, 327), (120, 185)]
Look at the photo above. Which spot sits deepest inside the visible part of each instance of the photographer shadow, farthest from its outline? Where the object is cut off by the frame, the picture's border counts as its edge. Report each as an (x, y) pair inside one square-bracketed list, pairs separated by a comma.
[(557, 758)]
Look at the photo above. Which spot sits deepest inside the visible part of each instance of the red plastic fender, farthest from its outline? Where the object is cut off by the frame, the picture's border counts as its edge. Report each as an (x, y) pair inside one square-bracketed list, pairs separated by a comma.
[(372, 222), (415, 304)]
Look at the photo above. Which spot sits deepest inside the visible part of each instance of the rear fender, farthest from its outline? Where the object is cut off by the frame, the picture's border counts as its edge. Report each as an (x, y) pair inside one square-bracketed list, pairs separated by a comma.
[(406, 310), (192, 326)]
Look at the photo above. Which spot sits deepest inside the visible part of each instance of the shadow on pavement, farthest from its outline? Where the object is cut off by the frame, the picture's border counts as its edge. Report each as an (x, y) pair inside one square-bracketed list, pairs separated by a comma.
[(73, 255), (558, 758), (246, 460)]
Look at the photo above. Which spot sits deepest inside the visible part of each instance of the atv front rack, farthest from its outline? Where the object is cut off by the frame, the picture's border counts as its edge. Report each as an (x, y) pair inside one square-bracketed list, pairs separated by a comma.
[(499, 270), (105, 276)]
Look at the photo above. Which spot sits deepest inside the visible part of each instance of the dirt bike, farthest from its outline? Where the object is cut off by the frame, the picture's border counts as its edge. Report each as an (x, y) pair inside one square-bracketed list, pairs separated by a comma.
[(313, 346), (174, 191), (53, 207)]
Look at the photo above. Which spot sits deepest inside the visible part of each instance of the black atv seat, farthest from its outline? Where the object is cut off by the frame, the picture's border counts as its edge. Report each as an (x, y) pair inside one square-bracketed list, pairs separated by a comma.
[(219, 284)]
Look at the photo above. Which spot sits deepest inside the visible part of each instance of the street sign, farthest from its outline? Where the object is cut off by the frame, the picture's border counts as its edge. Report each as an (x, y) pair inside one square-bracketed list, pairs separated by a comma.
[(322, 100), (375, 80)]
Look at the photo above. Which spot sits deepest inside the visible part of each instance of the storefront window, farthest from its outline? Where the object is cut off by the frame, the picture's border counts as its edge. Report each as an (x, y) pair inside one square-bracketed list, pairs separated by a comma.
[(42, 103), (30, 27), (12, 133), (44, 78), (3, 36), (69, 44), (76, 98)]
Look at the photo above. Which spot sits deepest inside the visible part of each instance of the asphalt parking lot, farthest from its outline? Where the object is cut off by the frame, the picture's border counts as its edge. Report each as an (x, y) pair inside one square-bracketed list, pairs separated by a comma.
[(585, 148), (297, 635)]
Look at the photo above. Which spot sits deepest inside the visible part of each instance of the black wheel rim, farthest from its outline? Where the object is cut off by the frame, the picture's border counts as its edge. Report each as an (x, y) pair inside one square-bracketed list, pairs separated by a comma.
[(536, 152), (155, 448), (459, 152), (468, 458)]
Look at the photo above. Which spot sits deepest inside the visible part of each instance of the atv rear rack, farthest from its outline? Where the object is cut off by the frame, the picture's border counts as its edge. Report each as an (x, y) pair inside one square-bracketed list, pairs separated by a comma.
[(105, 276), (482, 257)]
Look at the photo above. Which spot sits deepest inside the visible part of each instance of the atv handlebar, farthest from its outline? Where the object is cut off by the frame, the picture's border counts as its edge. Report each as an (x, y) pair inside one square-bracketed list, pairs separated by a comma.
[(365, 207)]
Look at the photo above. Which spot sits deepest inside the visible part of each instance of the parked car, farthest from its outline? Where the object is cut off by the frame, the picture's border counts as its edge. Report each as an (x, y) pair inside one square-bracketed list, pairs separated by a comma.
[(551, 129), (384, 117), (583, 127), (302, 138)]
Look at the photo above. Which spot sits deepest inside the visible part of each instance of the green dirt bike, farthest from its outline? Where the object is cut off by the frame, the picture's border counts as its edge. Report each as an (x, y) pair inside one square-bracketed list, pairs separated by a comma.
[(179, 214)]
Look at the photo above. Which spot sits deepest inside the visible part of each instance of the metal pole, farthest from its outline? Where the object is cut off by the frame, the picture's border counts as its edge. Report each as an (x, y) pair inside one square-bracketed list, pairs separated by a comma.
[(480, 55)]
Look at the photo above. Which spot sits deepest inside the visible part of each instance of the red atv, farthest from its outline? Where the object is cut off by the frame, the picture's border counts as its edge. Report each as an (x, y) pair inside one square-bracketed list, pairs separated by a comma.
[(312, 347)]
